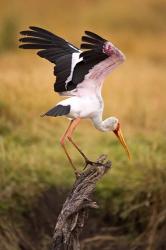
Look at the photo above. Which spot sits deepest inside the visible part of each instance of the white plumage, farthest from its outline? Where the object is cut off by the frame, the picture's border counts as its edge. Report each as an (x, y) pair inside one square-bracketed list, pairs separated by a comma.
[(79, 75)]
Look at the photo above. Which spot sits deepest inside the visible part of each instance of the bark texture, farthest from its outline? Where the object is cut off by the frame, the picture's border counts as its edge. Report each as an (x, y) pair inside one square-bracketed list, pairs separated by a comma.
[(74, 212)]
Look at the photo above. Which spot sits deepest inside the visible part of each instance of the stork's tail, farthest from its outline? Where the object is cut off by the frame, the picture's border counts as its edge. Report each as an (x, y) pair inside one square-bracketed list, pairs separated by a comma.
[(58, 110)]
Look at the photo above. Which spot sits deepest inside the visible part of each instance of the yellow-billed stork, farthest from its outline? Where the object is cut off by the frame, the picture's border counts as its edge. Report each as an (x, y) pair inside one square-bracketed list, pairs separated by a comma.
[(80, 76)]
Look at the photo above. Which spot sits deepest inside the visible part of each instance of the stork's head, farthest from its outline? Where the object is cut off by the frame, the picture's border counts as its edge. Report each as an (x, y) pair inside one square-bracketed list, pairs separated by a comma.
[(113, 52), (113, 124)]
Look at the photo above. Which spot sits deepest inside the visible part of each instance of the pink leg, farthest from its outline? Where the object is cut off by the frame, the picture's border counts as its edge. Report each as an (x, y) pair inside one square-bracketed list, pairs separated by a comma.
[(68, 134), (79, 150)]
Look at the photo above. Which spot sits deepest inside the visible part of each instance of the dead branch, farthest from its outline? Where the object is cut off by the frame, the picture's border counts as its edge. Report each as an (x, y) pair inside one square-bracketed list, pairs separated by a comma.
[(72, 217)]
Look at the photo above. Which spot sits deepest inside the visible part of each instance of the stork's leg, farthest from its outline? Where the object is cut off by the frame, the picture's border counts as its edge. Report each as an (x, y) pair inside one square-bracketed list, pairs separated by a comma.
[(70, 131), (87, 161), (62, 142), (69, 136), (79, 150)]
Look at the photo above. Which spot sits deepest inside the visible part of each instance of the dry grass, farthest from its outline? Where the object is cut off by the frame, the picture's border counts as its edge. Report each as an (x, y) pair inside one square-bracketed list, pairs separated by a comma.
[(30, 156), (133, 93)]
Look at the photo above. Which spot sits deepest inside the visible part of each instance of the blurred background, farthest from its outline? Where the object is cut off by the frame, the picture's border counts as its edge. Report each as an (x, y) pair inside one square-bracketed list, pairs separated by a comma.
[(35, 176)]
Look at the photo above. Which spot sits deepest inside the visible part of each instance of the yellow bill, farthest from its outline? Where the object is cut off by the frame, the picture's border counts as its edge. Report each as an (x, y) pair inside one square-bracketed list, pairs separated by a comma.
[(119, 134)]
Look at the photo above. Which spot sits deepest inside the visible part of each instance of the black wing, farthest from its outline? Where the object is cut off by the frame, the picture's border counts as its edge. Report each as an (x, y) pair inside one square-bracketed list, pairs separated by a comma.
[(53, 48), (93, 55)]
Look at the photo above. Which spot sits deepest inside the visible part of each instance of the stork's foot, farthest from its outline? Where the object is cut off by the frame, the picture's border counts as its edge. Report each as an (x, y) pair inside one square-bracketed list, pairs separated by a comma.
[(92, 163)]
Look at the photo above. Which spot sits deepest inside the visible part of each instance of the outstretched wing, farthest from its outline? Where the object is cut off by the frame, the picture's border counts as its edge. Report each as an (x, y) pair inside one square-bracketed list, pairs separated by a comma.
[(91, 57), (74, 69), (98, 60), (56, 50)]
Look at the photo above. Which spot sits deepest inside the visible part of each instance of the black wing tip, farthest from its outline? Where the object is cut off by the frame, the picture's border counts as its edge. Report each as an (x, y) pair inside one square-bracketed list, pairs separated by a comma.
[(92, 42), (22, 32), (90, 33), (37, 29), (95, 36), (22, 46), (87, 32), (21, 39), (32, 27)]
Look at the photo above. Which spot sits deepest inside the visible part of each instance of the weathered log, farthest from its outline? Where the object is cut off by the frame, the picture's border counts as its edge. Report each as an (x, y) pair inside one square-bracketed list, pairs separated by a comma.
[(72, 217)]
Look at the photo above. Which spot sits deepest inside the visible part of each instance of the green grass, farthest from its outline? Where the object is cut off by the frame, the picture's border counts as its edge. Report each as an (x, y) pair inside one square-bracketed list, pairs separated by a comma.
[(31, 159)]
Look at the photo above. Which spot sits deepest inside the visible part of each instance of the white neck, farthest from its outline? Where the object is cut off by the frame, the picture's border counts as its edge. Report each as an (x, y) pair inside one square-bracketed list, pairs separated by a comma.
[(103, 125)]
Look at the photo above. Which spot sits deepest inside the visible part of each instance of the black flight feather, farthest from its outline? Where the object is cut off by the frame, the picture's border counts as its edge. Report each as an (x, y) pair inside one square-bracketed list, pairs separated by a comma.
[(41, 31), (95, 36), (35, 34), (89, 46), (35, 40), (58, 110), (90, 40), (58, 51), (36, 46)]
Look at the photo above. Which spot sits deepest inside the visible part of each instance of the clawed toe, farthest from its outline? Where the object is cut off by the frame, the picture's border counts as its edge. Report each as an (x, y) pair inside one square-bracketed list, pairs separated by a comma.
[(92, 163)]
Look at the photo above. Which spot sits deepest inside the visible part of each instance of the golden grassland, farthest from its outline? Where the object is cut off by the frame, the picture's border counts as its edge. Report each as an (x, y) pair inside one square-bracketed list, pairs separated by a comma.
[(31, 158), (30, 150)]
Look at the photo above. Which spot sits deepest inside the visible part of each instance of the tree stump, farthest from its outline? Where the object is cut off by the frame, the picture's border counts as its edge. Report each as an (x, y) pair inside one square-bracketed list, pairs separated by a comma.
[(72, 217)]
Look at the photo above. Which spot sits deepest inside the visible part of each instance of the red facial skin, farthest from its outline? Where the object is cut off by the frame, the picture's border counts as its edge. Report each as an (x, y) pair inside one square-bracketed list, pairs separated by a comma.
[(117, 129)]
